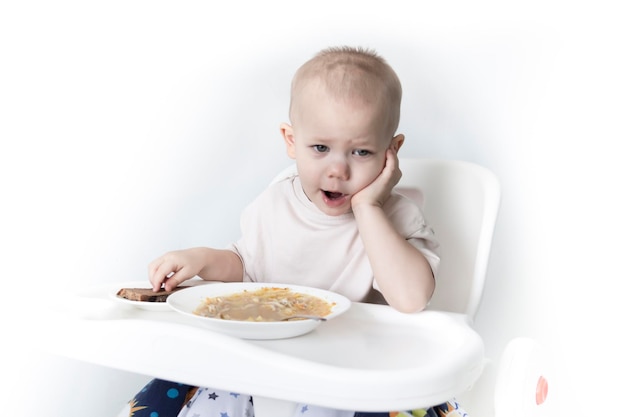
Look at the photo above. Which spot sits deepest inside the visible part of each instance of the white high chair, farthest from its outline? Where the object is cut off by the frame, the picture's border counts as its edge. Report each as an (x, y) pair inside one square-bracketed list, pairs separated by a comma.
[(371, 358)]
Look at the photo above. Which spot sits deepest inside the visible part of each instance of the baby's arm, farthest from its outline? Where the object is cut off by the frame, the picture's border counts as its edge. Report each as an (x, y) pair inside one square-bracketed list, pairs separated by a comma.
[(403, 274), (175, 267)]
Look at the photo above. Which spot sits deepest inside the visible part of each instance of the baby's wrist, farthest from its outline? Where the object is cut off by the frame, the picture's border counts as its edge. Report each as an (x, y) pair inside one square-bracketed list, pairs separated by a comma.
[(366, 207)]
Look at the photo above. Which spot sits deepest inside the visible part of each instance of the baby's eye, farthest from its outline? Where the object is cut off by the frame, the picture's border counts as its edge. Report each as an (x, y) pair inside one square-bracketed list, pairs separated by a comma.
[(320, 148), (361, 152)]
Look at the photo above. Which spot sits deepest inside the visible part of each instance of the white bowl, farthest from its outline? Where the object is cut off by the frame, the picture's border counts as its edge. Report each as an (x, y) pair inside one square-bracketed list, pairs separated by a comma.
[(187, 300)]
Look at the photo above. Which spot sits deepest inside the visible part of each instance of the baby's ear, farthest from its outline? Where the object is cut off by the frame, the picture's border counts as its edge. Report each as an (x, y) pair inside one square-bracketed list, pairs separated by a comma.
[(396, 142), (286, 130)]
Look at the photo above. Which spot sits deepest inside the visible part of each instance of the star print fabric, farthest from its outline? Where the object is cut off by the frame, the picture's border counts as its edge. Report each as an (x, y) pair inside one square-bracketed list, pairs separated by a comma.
[(306, 410), (209, 402), (159, 398)]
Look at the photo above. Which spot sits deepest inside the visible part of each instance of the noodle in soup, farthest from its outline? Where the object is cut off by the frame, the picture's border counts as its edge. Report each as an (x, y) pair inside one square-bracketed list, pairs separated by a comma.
[(263, 305)]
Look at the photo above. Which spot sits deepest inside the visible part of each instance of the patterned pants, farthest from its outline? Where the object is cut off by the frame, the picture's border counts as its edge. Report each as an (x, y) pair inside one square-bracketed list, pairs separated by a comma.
[(161, 398)]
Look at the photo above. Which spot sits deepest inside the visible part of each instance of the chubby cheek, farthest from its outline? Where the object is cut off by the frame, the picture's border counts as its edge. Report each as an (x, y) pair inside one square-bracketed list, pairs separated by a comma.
[(362, 183), (306, 172), (365, 177)]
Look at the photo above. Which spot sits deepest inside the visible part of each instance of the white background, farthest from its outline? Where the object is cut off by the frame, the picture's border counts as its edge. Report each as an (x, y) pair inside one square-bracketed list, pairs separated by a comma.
[(135, 127)]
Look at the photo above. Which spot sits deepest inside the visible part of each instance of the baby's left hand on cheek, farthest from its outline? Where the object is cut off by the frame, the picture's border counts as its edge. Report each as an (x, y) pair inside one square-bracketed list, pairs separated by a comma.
[(378, 191)]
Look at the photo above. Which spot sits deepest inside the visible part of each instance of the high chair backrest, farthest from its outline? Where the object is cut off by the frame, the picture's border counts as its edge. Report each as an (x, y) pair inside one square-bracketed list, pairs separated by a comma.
[(460, 201)]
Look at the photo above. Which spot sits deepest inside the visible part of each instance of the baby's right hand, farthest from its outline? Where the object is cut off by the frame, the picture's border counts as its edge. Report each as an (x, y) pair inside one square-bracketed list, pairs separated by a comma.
[(173, 268)]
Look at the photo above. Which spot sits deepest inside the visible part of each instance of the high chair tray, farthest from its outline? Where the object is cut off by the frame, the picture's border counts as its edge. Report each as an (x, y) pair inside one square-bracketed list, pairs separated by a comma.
[(371, 358)]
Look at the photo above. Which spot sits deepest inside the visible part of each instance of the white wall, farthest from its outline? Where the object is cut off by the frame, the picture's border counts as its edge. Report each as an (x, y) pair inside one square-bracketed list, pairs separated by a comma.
[(131, 128)]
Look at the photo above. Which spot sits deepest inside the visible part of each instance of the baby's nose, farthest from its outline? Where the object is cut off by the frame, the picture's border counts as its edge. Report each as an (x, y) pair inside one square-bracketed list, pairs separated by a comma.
[(339, 169)]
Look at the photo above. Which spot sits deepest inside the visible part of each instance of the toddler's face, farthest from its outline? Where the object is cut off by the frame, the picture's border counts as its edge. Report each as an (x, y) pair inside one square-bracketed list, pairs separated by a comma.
[(339, 148)]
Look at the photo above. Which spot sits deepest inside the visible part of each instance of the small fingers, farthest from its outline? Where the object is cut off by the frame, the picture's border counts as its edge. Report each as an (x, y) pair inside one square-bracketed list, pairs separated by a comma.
[(393, 165), (158, 271), (174, 280)]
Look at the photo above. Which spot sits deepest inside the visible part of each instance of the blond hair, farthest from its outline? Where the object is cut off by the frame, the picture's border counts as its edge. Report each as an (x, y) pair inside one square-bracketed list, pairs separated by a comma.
[(352, 73)]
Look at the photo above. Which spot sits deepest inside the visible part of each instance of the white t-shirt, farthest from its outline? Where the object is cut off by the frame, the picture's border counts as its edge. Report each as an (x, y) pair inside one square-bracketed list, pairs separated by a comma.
[(287, 239)]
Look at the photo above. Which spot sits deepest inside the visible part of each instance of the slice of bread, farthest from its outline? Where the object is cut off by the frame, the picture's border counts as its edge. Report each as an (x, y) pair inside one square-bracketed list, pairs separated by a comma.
[(146, 294)]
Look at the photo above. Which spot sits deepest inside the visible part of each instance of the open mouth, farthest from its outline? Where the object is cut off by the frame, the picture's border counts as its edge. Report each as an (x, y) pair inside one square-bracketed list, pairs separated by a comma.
[(332, 195)]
